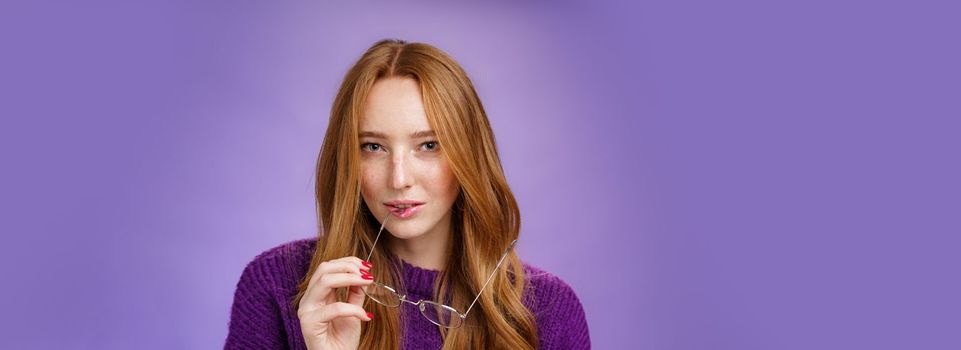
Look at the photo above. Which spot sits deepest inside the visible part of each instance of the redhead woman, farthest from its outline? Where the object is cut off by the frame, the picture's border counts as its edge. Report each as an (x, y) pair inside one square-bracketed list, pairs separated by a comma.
[(418, 226)]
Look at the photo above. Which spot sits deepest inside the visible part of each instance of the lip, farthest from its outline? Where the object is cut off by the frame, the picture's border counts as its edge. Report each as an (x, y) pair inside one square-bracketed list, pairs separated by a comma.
[(403, 201), (404, 213)]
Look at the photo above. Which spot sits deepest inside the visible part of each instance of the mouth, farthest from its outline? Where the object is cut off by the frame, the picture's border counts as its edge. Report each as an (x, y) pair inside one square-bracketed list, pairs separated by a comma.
[(404, 211)]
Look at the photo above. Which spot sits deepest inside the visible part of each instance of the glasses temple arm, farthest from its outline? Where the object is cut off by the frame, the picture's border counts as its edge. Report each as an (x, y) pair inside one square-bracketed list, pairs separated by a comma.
[(377, 238), (490, 277)]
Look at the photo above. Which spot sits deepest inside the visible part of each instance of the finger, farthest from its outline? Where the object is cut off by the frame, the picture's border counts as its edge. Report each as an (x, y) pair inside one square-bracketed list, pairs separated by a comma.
[(356, 296), (332, 311), (326, 284), (345, 264)]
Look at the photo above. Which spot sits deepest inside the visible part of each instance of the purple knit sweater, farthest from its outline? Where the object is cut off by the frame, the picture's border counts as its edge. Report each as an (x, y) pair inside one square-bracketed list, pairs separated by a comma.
[(261, 317)]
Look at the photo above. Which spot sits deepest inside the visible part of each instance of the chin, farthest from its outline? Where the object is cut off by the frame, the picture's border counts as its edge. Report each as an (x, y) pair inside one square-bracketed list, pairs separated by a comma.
[(405, 229), (404, 232), (403, 236)]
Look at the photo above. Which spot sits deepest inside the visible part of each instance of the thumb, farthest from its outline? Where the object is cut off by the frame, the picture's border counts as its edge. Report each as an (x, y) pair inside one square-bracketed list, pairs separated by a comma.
[(356, 296)]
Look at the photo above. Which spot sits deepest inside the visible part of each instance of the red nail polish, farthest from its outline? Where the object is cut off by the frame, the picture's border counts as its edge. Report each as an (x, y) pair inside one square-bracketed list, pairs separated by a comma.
[(367, 277), (369, 265), (370, 315)]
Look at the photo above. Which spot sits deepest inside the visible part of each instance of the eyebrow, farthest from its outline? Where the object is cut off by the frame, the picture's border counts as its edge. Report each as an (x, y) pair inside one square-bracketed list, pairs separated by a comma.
[(416, 135)]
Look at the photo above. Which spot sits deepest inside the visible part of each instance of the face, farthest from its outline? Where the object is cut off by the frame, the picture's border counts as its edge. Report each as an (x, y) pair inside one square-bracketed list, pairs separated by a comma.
[(401, 160)]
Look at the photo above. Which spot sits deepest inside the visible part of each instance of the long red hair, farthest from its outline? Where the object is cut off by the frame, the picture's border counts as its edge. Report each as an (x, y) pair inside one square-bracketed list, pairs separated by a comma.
[(485, 216)]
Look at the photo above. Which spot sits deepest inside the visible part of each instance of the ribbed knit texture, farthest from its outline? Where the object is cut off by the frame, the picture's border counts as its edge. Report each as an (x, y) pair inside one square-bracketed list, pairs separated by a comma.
[(261, 316)]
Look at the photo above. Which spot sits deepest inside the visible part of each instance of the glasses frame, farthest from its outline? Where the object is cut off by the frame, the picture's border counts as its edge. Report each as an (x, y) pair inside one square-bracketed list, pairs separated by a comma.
[(422, 304)]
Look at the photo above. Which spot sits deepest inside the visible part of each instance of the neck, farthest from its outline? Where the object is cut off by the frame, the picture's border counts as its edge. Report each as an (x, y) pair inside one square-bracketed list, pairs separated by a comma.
[(428, 251)]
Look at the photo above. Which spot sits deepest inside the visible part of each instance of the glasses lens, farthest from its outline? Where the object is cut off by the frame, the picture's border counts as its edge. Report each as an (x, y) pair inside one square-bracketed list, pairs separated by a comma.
[(441, 315), (382, 294)]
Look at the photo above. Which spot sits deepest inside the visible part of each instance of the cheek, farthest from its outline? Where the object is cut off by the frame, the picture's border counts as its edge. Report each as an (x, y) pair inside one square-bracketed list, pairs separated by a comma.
[(446, 181), (367, 180)]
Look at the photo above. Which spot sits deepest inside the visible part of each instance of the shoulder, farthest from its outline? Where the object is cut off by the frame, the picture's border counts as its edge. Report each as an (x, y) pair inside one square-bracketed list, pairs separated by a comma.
[(260, 314), (546, 289), (561, 320), (280, 268), (296, 250)]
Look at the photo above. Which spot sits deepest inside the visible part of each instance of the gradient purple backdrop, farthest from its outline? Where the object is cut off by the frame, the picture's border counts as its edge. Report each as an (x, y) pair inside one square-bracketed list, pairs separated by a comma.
[(706, 175)]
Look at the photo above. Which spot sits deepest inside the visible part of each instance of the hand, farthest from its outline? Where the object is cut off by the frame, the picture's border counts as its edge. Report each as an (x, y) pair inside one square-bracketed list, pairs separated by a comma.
[(325, 322)]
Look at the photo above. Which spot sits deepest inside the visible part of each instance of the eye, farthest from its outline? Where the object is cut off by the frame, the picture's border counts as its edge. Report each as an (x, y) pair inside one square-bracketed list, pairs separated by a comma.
[(364, 147), (435, 145)]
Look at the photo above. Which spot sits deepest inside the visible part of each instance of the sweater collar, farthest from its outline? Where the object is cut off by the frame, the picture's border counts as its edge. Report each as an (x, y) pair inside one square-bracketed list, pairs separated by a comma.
[(418, 280)]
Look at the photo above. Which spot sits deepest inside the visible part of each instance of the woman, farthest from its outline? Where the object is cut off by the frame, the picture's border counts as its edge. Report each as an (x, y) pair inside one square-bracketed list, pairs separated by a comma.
[(409, 151)]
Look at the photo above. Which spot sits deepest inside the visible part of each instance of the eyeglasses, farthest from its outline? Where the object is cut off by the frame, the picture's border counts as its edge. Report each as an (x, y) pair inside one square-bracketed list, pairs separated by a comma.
[(437, 313)]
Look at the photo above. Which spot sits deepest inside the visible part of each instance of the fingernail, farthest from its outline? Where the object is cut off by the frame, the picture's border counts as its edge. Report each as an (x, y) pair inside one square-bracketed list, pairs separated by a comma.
[(367, 277), (370, 315), (369, 265)]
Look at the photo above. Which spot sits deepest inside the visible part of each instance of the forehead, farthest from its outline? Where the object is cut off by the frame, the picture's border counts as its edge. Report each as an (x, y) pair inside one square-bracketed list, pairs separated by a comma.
[(394, 107)]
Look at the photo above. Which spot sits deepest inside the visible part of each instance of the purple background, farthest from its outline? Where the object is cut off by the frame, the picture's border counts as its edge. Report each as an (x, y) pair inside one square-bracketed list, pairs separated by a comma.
[(706, 175)]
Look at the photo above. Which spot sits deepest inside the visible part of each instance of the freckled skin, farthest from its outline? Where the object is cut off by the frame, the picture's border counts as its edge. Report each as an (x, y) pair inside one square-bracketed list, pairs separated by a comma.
[(402, 167)]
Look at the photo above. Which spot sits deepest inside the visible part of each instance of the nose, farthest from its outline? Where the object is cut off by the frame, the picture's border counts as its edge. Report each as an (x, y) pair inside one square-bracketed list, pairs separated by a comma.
[(399, 177)]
